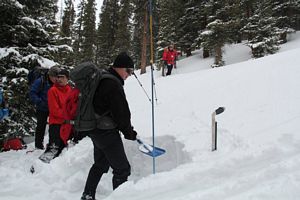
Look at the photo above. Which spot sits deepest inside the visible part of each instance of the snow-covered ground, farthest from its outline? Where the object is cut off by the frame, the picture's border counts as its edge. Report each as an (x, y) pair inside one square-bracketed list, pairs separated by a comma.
[(258, 154)]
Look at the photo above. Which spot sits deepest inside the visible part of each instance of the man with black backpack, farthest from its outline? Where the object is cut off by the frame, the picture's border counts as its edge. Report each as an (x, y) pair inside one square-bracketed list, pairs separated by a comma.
[(38, 95), (111, 106)]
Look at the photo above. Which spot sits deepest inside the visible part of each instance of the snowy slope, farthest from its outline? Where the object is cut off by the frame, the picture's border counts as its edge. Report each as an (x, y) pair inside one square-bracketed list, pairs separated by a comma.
[(258, 154)]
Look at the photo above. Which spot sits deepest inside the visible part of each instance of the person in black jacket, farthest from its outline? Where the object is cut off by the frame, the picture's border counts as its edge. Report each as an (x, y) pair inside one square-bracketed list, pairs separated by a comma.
[(38, 96), (110, 100)]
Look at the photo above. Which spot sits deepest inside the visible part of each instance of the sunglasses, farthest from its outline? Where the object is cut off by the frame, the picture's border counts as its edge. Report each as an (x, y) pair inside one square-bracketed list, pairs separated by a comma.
[(129, 71), (61, 76)]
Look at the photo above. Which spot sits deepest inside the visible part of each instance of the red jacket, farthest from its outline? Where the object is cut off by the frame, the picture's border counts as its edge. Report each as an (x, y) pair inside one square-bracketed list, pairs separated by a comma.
[(170, 56), (69, 111), (57, 96)]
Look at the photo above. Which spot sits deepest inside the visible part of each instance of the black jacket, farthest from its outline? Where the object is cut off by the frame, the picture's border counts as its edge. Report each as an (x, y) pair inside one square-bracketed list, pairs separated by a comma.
[(110, 96)]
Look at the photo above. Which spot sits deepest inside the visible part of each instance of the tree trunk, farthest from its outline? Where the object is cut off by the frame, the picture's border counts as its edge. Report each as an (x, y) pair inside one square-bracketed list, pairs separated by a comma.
[(283, 38), (218, 56), (188, 52), (205, 53)]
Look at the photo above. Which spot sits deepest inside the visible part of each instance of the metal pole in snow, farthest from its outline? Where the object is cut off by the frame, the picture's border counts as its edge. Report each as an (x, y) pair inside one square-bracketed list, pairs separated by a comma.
[(214, 127), (152, 78)]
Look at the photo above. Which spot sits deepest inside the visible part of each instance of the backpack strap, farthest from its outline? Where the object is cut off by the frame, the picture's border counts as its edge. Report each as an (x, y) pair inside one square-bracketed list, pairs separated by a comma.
[(106, 74), (43, 82), (105, 120)]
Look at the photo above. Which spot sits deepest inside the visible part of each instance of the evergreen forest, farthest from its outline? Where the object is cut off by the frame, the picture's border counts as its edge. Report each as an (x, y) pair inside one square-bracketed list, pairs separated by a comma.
[(32, 35)]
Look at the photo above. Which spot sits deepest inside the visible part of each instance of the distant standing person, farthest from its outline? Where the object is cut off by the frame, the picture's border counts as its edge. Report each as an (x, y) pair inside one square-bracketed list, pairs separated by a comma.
[(170, 58), (165, 62), (110, 101), (38, 95)]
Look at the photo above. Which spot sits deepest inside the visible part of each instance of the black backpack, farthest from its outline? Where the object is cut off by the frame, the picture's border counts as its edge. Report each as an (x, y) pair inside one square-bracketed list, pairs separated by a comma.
[(35, 73), (87, 77)]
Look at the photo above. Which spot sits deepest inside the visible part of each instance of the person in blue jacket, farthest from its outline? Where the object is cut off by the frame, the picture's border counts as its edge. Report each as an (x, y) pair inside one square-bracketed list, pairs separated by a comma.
[(38, 96), (3, 110)]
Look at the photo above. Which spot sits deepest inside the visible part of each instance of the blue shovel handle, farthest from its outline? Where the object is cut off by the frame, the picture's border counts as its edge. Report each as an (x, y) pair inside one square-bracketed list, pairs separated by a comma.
[(142, 143)]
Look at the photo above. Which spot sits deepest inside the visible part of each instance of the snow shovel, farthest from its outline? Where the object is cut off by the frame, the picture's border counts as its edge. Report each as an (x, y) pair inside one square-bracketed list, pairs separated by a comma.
[(149, 149)]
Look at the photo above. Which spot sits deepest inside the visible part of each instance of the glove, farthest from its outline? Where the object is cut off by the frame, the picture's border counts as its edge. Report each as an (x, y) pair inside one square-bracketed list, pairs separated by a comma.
[(165, 62), (131, 135)]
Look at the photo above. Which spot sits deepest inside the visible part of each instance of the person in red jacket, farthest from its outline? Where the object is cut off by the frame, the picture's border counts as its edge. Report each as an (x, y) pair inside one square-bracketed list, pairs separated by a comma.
[(57, 96), (69, 111), (169, 58)]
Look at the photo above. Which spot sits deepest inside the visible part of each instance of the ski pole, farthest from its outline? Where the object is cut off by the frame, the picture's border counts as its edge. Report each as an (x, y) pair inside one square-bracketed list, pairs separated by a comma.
[(142, 86)]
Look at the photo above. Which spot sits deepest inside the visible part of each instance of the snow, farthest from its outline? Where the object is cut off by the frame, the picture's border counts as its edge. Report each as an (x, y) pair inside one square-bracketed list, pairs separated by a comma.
[(6, 51), (207, 32), (19, 5), (258, 155), (32, 21), (44, 62), (57, 47)]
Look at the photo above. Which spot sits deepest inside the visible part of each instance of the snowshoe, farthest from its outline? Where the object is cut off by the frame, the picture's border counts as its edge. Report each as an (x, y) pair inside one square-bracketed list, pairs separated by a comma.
[(51, 152)]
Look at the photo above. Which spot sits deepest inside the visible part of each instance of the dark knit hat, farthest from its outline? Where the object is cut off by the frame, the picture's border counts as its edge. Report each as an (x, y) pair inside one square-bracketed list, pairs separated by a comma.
[(123, 61), (63, 72), (53, 71)]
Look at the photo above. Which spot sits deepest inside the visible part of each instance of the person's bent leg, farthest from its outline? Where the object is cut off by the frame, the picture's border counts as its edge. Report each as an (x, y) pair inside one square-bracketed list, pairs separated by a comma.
[(117, 159), (99, 167)]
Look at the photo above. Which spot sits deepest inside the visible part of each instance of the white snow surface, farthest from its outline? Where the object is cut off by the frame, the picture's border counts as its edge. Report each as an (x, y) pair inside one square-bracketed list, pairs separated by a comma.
[(258, 154)]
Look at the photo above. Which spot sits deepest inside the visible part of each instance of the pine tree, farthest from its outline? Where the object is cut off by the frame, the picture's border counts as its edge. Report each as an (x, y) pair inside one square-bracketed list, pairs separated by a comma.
[(123, 33), (11, 15), (247, 11), (190, 24), (222, 27), (214, 39), (140, 34), (106, 33), (78, 36), (89, 31), (68, 20), (294, 14), (262, 31), (283, 12), (66, 35), (172, 23), (26, 37)]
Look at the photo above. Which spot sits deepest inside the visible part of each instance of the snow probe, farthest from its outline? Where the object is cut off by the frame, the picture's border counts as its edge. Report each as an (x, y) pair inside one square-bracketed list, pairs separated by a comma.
[(149, 149), (214, 127)]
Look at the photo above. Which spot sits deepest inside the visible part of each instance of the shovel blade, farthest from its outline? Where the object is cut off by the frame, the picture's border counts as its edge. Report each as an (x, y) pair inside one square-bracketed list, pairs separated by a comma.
[(154, 152), (150, 150)]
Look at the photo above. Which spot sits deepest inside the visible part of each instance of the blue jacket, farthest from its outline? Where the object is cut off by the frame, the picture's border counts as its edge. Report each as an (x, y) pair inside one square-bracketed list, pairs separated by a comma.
[(3, 111), (38, 94)]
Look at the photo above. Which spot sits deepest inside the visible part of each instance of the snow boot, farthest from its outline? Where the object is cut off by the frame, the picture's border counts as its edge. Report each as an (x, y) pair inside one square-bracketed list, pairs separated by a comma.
[(86, 196), (51, 152)]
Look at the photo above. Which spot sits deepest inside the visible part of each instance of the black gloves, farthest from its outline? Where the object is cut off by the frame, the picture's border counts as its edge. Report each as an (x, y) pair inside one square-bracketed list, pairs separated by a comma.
[(165, 62), (131, 135)]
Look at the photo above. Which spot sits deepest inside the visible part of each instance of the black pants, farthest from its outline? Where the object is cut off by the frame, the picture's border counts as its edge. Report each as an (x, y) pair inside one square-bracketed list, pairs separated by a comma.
[(170, 67), (41, 117), (54, 136), (108, 152)]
